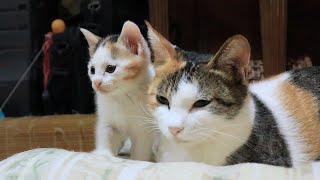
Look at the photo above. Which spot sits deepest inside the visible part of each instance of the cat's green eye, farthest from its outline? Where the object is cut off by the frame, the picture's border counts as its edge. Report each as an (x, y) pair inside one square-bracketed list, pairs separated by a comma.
[(162, 100), (201, 103), (110, 68), (92, 70)]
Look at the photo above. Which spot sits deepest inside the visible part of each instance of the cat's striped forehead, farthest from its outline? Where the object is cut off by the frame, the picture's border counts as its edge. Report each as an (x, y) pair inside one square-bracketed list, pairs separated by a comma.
[(171, 82), (210, 83), (193, 70)]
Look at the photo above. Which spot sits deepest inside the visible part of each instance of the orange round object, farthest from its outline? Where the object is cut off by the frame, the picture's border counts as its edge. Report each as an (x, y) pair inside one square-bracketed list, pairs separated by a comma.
[(58, 26)]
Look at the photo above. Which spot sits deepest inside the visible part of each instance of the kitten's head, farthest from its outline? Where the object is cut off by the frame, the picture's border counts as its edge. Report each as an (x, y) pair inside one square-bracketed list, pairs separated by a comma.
[(117, 60), (193, 95)]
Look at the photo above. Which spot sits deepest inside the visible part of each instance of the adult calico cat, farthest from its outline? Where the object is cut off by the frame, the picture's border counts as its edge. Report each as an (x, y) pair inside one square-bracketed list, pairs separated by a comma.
[(207, 112)]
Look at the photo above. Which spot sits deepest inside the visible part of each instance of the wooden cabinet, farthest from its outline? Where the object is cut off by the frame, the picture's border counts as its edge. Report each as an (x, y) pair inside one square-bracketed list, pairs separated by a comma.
[(203, 25)]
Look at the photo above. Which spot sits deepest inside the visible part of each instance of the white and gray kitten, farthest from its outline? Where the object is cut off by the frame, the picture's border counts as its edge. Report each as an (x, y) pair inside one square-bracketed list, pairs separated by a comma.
[(120, 70)]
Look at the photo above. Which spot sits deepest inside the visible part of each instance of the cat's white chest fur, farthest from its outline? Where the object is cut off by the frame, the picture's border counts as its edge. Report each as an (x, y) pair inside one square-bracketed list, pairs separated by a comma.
[(202, 152)]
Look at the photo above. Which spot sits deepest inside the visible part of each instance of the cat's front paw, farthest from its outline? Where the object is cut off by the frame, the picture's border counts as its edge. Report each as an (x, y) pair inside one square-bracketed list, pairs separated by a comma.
[(103, 152)]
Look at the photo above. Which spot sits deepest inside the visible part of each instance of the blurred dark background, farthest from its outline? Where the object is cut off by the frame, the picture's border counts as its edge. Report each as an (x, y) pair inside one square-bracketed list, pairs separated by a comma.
[(278, 31)]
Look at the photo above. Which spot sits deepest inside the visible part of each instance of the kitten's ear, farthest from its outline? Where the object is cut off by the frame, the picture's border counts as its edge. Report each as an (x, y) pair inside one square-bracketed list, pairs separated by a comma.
[(131, 37), (92, 40), (163, 50), (234, 54)]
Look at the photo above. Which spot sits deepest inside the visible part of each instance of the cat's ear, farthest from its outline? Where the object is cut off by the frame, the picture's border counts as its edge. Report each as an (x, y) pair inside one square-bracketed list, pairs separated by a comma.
[(163, 50), (92, 40), (131, 37), (234, 55)]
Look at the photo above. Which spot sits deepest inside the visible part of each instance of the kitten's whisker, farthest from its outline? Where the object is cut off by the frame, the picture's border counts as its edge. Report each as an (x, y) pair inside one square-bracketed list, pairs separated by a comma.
[(145, 110), (147, 124), (153, 130), (164, 77), (139, 117)]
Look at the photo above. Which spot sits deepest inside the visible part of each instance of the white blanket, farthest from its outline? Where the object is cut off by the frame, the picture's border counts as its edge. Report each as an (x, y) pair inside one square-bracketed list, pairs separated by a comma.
[(56, 164)]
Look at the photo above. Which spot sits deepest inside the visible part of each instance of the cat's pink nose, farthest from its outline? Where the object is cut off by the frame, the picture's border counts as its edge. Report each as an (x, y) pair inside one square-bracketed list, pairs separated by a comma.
[(97, 83), (175, 130)]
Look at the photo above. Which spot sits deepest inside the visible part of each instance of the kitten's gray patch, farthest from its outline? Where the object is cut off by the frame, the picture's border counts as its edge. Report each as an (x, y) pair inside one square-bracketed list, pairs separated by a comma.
[(265, 144), (113, 38), (103, 41)]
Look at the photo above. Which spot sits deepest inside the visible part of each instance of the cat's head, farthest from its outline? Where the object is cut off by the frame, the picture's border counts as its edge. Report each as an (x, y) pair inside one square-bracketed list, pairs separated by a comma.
[(193, 95), (117, 60)]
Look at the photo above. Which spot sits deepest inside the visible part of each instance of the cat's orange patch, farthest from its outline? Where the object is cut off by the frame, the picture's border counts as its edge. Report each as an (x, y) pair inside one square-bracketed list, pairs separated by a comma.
[(152, 101), (152, 92), (171, 66), (302, 106)]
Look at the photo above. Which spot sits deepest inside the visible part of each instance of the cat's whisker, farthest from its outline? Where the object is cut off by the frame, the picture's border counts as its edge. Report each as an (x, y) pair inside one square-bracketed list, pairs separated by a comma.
[(220, 142), (233, 125), (226, 134), (214, 140), (218, 132)]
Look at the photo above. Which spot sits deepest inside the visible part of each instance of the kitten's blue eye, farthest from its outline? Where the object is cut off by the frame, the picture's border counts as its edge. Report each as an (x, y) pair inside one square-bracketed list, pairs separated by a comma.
[(92, 70), (201, 103), (110, 68), (162, 100)]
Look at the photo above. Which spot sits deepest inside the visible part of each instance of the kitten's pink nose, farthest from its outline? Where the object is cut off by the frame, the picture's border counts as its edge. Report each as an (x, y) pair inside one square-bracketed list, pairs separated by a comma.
[(175, 130), (97, 83)]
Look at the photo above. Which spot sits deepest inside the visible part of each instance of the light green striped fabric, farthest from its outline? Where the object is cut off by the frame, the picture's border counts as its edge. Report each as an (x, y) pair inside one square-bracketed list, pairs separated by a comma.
[(56, 164)]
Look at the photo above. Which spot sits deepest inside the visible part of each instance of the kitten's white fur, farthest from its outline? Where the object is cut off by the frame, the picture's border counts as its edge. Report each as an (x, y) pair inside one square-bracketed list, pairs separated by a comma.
[(202, 139), (120, 111)]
